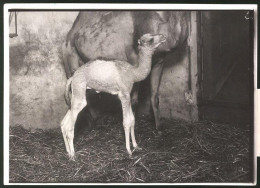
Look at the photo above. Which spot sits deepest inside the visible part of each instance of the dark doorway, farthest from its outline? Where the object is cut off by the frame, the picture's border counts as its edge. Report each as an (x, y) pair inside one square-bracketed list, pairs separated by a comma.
[(226, 66)]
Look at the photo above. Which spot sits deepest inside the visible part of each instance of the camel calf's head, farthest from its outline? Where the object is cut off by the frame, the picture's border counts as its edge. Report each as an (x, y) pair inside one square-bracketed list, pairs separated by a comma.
[(151, 41)]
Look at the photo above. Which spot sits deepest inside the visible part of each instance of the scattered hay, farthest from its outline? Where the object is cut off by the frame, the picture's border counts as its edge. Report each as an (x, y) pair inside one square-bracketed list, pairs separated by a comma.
[(186, 152)]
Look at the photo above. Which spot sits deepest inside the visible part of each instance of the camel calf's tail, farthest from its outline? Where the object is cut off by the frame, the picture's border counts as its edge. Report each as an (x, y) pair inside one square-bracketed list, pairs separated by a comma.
[(67, 95)]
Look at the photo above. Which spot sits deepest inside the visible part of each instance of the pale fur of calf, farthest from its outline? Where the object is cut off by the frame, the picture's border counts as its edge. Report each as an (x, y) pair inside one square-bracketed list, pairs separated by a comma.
[(112, 76)]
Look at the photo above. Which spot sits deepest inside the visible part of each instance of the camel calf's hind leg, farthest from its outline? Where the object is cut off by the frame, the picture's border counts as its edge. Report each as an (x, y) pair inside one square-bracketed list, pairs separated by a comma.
[(67, 129), (68, 123), (64, 122)]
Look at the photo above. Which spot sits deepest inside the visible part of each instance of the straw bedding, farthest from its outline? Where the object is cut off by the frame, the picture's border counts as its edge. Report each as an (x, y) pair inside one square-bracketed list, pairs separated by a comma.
[(185, 152)]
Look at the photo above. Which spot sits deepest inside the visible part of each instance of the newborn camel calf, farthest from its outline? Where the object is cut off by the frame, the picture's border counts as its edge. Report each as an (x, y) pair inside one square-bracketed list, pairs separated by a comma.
[(111, 76)]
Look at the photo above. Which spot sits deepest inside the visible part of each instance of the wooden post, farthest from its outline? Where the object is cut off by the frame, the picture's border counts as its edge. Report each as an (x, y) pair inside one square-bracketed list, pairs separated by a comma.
[(192, 41)]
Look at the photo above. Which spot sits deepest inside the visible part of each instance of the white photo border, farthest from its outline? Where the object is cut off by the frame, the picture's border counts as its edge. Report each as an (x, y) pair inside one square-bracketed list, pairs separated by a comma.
[(106, 6)]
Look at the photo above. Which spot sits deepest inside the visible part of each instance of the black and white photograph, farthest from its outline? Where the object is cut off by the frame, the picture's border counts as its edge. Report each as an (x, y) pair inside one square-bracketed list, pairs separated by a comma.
[(99, 94)]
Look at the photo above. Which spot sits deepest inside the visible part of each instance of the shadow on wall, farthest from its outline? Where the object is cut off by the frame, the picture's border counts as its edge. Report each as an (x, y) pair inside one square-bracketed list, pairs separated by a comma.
[(37, 77), (174, 84)]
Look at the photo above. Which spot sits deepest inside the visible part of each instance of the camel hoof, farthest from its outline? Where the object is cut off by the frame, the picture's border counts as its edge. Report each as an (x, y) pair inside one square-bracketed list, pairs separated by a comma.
[(158, 134), (72, 157), (137, 148), (130, 155)]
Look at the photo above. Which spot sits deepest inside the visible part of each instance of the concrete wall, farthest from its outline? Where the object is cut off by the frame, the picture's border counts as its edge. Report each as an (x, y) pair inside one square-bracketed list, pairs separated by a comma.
[(37, 77), (174, 85)]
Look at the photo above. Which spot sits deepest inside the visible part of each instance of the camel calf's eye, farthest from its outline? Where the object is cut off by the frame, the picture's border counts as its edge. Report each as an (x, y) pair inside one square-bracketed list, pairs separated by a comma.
[(150, 41)]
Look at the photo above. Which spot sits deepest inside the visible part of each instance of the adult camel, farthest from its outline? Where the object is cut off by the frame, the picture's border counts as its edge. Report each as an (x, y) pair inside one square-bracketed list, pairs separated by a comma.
[(114, 35)]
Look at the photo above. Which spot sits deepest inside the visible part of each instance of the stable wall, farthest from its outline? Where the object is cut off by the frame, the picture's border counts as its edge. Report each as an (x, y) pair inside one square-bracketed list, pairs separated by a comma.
[(37, 76), (180, 76)]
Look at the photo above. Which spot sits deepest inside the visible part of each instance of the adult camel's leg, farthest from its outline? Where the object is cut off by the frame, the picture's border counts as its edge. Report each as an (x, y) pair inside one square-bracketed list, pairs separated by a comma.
[(156, 75), (71, 60), (91, 97), (134, 97)]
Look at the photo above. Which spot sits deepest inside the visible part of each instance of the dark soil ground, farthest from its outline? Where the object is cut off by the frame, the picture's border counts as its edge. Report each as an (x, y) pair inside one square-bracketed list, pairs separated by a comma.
[(185, 152)]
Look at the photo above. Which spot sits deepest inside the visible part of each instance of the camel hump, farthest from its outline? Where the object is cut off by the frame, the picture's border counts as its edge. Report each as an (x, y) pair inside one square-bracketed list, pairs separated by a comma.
[(101, 34)]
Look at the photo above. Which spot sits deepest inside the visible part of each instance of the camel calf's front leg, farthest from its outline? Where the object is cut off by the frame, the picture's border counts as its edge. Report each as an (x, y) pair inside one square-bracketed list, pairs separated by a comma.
[(126, 106), (128, 122)]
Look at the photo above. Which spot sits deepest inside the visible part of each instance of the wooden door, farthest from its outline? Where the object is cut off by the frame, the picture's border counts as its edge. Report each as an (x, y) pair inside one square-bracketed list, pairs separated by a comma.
[(226, 66)]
